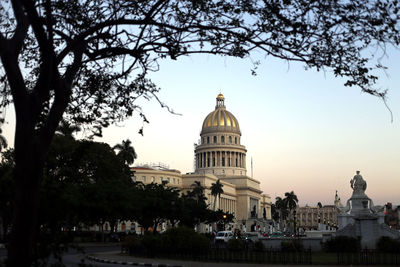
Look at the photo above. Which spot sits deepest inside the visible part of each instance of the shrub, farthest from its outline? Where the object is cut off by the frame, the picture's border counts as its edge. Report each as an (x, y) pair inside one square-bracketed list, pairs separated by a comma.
[(235, 244), (152, 243), (184, 240), (342, 244), (292, 246), (134, 244), (387, 244)]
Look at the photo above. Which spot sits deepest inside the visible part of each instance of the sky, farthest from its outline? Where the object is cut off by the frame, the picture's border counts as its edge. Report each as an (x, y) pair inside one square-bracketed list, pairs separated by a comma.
[(305, 131)]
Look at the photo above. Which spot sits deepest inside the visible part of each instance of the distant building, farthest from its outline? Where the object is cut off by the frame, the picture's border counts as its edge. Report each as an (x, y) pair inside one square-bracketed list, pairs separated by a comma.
[(318, 217), (220, 155), (392, 216)]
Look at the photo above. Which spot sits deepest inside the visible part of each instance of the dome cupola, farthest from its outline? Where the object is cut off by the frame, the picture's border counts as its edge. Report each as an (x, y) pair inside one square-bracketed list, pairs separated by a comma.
[(220, 120)]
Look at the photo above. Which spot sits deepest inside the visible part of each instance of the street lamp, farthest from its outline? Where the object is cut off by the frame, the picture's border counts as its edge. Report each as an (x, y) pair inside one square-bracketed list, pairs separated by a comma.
[(294, 215)]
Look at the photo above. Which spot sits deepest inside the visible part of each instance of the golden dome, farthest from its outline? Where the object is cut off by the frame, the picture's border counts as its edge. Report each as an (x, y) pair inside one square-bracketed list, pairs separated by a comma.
[(220, 119)]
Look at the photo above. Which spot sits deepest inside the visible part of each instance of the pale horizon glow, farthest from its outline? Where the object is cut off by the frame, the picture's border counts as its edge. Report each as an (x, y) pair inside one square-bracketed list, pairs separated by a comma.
[(305, 131)]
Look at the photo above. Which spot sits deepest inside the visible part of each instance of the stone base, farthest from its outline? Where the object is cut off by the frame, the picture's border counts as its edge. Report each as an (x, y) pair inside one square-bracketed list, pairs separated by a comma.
[(368, 228)]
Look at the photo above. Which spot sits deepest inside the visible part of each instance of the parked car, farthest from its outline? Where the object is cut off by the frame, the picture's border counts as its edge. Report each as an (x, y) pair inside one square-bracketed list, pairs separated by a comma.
[(223, 236), (250, 237), (276, 234)]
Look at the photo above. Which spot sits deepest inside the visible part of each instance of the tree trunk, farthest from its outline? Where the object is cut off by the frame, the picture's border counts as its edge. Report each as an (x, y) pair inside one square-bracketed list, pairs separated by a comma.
[(27, 174), (215, 201), (28, 170)]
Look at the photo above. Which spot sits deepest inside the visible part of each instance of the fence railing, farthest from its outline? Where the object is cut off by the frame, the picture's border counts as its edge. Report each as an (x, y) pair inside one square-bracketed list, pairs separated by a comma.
[(224, 255), (368, 257)]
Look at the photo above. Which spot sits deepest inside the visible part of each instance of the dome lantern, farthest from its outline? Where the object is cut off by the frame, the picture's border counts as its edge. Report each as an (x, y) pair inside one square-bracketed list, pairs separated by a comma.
[(220, 101)]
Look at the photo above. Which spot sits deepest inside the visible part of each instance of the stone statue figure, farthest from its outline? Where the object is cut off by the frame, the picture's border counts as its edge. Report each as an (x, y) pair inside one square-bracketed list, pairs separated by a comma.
[(358, 184), (359, 200), (338, 203)]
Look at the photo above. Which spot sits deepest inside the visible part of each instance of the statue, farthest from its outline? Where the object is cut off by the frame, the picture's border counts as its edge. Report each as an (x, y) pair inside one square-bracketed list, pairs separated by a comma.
[(358, 184), (356, 202), (337, 202)]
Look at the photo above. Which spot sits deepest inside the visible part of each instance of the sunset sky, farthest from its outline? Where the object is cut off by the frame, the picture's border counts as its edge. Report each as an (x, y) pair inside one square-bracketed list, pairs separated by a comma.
[(305, 131)]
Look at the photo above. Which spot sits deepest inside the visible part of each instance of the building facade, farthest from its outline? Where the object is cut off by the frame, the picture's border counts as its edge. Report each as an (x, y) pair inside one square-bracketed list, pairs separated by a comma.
[(315, 218), (220, 155)]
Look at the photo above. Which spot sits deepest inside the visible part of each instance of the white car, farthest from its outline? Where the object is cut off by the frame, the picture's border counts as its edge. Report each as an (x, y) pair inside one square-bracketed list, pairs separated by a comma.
[(223, 236)]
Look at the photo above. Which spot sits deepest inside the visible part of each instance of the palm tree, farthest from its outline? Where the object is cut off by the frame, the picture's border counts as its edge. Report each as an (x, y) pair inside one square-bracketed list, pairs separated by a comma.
[(198, 191), (281, 207), (66, 129), (216, 190), (126, 151), (291, 202)]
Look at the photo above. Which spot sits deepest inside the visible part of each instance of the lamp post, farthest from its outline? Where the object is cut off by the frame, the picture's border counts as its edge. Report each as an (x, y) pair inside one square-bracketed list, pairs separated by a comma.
[(294, 217), (224, 219)]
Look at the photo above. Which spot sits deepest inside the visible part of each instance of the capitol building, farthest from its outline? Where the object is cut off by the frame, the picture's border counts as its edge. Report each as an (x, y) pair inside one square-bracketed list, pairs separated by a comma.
[(220, 155)]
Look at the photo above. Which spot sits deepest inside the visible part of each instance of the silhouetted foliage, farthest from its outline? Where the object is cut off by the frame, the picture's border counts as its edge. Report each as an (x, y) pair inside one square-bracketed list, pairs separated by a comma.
[(126, 151), (180, 240), (342, 244), (216, 190), (88, 61), (387, 244)]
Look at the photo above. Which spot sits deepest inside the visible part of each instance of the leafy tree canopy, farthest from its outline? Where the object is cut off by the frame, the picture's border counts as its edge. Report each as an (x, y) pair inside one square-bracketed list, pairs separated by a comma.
[(91, 57)]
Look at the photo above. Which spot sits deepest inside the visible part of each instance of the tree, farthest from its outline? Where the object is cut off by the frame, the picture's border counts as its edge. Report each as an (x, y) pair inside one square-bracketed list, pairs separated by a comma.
[(291, 203), (282, 208), (3, 140), (197, 191), (291, 200), (6, 191), (88, 61), (126, 151), (216, 190), (67, 129)]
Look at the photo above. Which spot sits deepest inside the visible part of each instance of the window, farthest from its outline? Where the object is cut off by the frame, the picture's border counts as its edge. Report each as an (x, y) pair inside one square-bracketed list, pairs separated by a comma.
[(153, 179), (230, 139), (178, 181), (208, 139), (134, 178), (173, 180), (223, 161), (213, 162), (169, 180), (144, 179), (222, 139), (215, 139), (161, 179), (235, 140)]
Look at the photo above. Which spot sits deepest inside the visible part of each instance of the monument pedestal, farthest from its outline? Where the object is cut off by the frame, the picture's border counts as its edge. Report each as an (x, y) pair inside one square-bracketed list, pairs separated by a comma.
[(360, 220)]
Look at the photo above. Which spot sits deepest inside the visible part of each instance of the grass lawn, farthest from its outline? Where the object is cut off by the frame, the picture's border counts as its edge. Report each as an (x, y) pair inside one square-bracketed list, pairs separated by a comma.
[(323, 258)]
